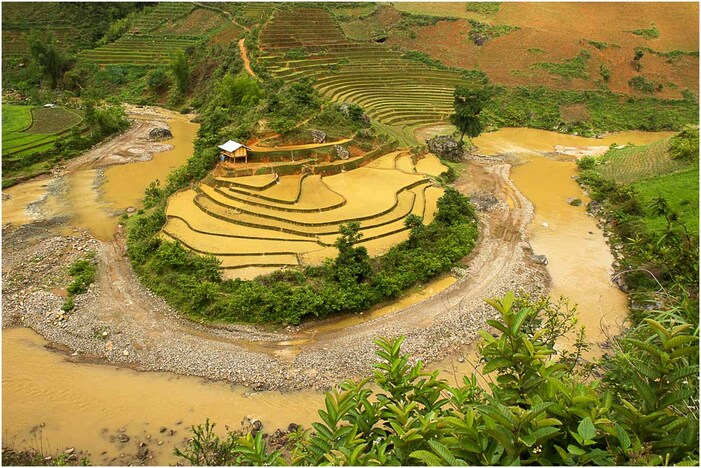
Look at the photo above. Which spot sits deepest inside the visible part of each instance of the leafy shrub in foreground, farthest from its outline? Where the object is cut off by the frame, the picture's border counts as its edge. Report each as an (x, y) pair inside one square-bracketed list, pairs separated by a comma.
[(537, 408)]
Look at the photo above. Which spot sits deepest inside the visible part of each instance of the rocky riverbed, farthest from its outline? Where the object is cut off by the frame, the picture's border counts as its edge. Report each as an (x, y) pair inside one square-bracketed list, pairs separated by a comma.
[(121, 322)]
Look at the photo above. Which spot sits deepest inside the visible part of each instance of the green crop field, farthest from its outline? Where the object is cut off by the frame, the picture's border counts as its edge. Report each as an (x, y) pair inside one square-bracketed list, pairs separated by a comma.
[(632, 163), (157, 34), (397, 93), (27, 130)]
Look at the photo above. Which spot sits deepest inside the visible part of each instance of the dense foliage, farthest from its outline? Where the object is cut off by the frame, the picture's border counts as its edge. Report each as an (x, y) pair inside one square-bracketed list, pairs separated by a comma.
[(685, 145), (468, 104), (539, 107), (350, 283), (537, 408)]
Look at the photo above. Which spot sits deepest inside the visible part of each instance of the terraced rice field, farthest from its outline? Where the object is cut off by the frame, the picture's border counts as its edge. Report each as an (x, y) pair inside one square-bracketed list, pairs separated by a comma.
[(256, 224), (397, 93), (27, 130), (629, 164), (169, 27)]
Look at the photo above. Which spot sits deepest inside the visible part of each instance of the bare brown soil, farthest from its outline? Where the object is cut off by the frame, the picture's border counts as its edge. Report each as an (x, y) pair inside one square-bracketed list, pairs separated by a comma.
[(246, 61), (554, 32)]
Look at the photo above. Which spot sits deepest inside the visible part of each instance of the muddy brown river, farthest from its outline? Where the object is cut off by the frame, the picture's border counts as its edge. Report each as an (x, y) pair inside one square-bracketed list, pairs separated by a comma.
[(51, 402)]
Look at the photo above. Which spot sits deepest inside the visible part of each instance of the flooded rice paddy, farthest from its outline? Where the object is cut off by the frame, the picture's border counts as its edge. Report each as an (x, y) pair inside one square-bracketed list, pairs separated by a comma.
[(43, 387)]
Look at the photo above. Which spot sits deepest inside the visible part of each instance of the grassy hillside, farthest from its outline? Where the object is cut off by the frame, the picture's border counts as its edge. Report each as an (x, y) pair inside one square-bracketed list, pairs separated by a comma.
[(680, 189), (632, 163)]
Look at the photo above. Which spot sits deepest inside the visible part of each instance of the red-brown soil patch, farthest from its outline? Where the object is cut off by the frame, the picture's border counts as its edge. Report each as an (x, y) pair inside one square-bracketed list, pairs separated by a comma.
[(553, 32)]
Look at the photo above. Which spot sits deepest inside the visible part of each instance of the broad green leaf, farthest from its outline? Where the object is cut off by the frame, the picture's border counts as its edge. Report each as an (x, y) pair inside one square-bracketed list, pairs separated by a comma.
[(427, 457), (676, 397), (546, 422), (646, 393), (574, 450), (622, 437), (445, 453), (586, 429), (496, 364), (680, 340)]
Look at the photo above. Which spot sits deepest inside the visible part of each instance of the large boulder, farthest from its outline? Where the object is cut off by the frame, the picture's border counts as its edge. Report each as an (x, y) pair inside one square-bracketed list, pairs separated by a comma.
[(446, 147), (160, 133)]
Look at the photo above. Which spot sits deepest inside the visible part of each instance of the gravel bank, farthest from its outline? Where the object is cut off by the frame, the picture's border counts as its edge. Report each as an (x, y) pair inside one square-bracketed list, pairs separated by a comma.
[(121, 322)]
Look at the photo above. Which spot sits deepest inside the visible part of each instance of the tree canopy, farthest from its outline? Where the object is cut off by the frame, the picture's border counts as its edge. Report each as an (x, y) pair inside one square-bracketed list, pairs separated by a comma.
[(45, 53), (468, 103)]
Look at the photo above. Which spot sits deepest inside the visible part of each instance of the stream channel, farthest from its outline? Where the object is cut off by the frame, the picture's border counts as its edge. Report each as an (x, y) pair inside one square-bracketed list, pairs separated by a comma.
[(52, 404)]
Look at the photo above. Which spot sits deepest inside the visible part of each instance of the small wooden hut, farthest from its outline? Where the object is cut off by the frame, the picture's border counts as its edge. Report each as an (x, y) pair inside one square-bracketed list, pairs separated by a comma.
[(232, 150)]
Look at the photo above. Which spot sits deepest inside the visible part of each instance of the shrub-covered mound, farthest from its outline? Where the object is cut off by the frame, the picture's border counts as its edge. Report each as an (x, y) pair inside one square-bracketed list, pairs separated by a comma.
[(350, 283)]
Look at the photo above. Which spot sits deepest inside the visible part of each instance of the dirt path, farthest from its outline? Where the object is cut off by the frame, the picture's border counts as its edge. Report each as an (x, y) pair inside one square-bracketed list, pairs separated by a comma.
[(122, 322), (244, 56), (223, 12), (299, 147)]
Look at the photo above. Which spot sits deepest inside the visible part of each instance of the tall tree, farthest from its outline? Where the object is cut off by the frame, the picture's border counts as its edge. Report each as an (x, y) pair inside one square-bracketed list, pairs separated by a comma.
[(181, 71), (42, 47), (468, 103)]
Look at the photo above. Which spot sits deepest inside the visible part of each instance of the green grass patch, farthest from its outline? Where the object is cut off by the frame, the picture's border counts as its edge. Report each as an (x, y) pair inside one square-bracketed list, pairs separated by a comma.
[(483, 8), (651, 33), (15, 119), (680, 189), (644, 85), (571, 68), (482, 32), (83, 272), (539, 107)]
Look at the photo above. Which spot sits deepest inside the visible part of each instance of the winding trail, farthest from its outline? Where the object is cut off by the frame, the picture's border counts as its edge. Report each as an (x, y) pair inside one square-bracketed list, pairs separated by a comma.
[(244, 56)]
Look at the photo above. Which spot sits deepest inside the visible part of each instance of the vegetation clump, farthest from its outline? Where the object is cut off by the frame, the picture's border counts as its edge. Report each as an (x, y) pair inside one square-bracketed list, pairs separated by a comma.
[(644, 85), (484, 8), (571, 68), (538, 407), (482, 32), (650, 33), (83, 272), (685, 145)]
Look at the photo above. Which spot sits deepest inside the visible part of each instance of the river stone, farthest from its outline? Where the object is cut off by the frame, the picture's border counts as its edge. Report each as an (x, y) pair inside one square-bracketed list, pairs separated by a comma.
[(446, 147), (143, 452), (123, 438), (160, 133), (542, 259)]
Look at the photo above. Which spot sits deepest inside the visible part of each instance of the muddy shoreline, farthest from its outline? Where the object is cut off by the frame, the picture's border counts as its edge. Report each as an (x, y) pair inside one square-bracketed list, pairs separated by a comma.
[(119, 322)]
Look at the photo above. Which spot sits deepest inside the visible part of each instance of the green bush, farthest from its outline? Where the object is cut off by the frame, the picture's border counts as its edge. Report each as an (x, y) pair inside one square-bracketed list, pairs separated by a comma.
[(685, 145), (350, 283), (538, 409)]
